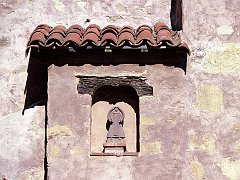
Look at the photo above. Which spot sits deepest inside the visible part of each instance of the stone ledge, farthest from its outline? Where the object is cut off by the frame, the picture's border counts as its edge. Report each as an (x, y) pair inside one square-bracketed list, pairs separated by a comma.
[(115, 154)]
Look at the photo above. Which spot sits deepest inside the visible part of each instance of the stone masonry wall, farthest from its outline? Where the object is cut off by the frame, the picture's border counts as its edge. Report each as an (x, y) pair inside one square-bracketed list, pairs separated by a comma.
[(195, 135)]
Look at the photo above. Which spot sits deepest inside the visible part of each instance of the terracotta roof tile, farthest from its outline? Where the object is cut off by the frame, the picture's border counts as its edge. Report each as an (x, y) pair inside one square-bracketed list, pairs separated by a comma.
[(109, 39), (92, 30), (144, 35), (60, 29), (126, 38), (44, 31), (73, 38), (143, 27), (93, 26), (159, 25), (164, 35), (90, 38), (75, 31), (110, 28), (37, 38), (76, 26), (55, 38), (127, 28), (76, 35), (185, 46), (44, 26)]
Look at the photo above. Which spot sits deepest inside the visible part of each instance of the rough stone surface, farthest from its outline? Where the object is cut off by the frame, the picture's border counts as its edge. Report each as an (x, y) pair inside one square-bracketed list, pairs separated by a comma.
[(22, 145), (189, 128), (87, 84)]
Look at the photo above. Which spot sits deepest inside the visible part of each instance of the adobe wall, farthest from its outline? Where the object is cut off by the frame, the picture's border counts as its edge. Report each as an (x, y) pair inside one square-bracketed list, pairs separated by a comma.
[(189, 128)]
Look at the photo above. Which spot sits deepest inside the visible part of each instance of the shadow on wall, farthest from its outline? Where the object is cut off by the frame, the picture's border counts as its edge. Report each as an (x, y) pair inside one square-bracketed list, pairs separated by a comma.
[(40, 60)]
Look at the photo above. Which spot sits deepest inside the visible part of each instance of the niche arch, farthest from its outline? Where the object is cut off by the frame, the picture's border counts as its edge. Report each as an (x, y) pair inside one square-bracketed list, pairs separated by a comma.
[(104, 98)]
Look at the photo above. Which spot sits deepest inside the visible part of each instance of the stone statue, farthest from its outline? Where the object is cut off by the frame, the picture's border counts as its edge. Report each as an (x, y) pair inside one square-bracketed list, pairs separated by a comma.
[(115, 120)]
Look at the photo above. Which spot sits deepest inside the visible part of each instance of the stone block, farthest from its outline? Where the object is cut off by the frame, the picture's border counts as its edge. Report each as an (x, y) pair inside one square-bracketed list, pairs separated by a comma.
[(197, 170), (223, 58), (151, 148), (210, 98)]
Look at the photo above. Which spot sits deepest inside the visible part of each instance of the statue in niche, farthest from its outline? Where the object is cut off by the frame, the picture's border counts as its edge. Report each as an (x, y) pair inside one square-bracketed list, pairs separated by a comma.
[(115, 136), (115, 124)]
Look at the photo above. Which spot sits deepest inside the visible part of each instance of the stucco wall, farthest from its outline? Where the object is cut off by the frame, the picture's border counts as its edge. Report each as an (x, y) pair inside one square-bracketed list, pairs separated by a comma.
[(198, 133)]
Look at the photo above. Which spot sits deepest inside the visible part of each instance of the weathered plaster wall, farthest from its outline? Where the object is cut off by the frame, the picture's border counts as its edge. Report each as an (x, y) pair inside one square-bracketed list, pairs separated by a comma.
[(198, 133)]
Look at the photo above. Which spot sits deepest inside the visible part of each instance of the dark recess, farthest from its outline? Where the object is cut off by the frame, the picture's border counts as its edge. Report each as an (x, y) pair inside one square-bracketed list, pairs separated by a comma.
[(113, 95), (176, 15)]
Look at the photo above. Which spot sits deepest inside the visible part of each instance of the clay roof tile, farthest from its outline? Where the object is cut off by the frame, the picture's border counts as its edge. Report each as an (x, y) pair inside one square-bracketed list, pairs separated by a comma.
[(92, 30), (37, 38), (55, 39), (75, 29), (46, 36), (143, 27), (80, 33), (59, 29), (185, 46), (164, 35), (76, 26), (44, 26), (110, 28), (159, 25), (126, 37), (93, 26), (144, 35), (109, 38), (90, 37), (74, 38)]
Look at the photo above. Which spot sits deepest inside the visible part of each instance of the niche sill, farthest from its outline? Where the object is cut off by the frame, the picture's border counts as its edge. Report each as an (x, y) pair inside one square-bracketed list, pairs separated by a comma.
[(115, 154)]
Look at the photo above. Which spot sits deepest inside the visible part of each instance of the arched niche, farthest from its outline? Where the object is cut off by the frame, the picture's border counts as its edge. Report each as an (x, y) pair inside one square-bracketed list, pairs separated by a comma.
[(104, 99)]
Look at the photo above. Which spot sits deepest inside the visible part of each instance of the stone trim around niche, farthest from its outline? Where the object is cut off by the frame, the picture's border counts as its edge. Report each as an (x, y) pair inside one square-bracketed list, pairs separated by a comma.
[(88, 84)]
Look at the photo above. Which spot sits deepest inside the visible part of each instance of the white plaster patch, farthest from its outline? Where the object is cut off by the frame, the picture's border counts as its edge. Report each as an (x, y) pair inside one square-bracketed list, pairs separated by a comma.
[(97, 7), (81, 4), (59, 5), (14, 132), (18, 141), (230, 168), (223, 58), (225, 30)]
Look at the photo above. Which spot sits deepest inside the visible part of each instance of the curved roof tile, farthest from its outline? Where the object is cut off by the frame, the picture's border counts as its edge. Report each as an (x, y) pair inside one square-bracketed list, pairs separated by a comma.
[(159, 25), (79, 32), (76, 26), (76, 35), (93, 26), (128, 28), (146, 35), (74, 38), (55, 38), (164, 35), (185, 46), (92, 30), (90, 37), (143, 27), (59, 29), (44, 31), (37, 38), (36, 33), (44, 26), (110, 28), (109, 38), (126, 37)]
